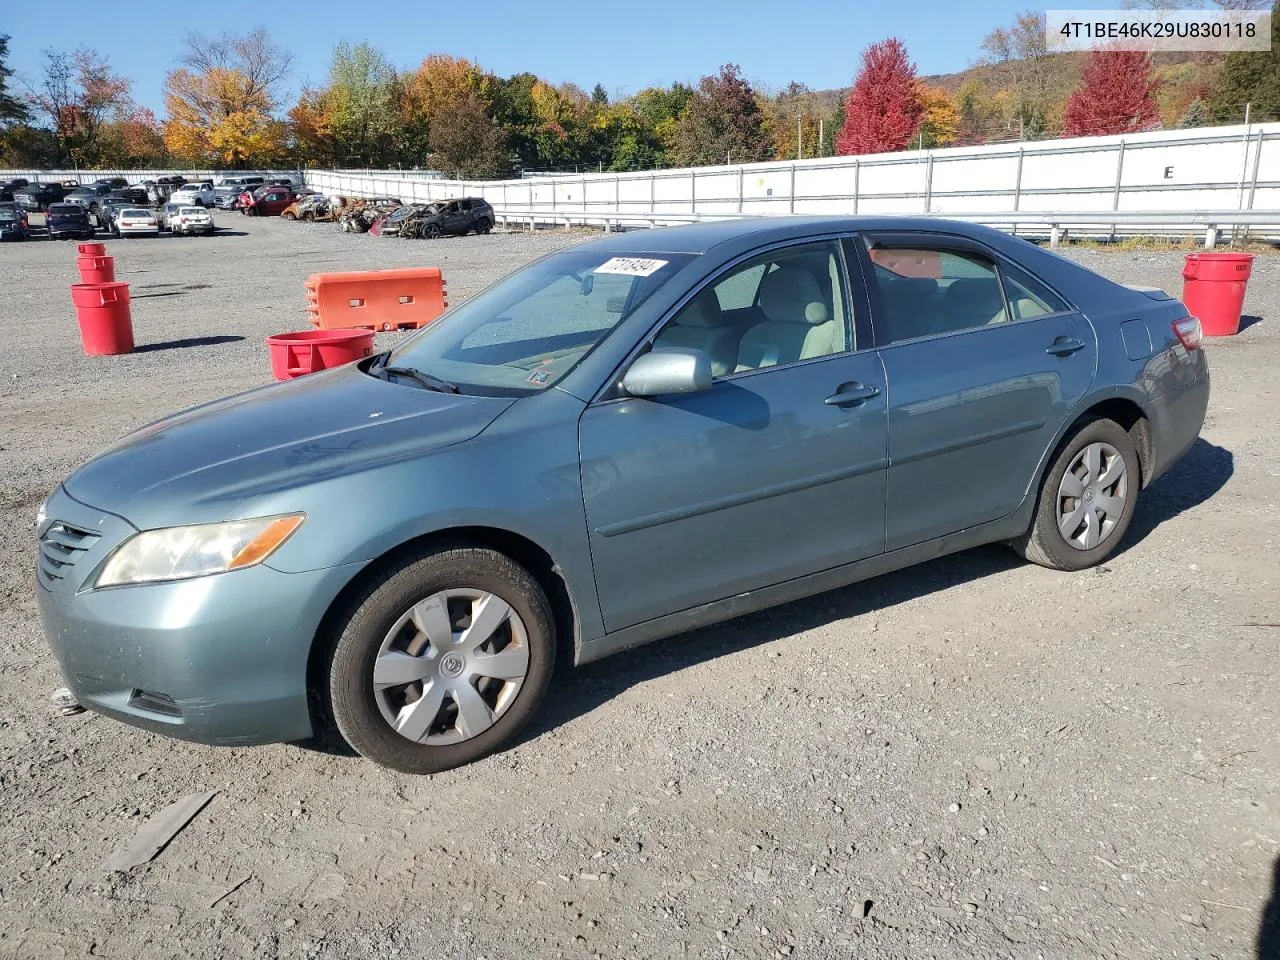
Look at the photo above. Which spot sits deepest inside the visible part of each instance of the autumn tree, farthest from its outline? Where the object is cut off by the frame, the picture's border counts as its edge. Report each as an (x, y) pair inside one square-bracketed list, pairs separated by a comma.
[(1021, 60), (1251, 77), (310, 130), (132, 138), (221, 100), (793, 108), (77, 92), (658, 109), (882, 111), (721, 123), (939, 119), (1116, 95), (975, 112), (466, 143)]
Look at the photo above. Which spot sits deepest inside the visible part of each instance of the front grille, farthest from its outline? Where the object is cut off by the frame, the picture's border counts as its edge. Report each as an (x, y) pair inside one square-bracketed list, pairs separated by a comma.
[(60, 548)]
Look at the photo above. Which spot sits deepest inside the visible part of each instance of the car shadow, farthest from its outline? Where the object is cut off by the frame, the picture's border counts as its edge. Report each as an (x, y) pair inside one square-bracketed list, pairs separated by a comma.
[(1202, 471), (1268, 946), (183, 344), (1198, 475)]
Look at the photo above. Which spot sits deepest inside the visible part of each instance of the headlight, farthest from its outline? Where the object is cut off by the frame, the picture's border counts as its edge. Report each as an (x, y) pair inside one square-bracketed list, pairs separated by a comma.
[(178, 553)]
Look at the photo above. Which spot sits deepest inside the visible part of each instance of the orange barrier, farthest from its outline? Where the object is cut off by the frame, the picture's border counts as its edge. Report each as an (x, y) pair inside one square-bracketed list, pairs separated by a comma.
[(376, 299)]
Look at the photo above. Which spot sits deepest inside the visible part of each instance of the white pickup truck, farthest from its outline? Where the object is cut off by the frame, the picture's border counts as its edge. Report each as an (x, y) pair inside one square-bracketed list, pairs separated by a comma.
[(195, 194)]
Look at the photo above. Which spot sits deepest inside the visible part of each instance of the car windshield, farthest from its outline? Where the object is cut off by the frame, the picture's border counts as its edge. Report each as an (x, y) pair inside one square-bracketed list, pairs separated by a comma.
[(530, 329)]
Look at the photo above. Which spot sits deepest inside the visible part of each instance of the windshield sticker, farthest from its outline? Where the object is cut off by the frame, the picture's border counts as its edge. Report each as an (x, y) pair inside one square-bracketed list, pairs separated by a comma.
[(631, 266)]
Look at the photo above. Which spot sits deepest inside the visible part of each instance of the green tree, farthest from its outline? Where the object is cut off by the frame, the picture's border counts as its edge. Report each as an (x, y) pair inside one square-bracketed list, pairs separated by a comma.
[(599, 96), (12, 110), (1252, 78), (361, 97), (1196, 115), (510, 103), (722, 123)]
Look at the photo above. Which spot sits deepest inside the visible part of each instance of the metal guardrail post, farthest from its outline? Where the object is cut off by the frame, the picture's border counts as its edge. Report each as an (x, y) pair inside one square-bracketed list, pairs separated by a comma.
[(1017, 180), (693, 190), (793, 188), (928, 183), (741, 185), (857, 169), (1115, 197)]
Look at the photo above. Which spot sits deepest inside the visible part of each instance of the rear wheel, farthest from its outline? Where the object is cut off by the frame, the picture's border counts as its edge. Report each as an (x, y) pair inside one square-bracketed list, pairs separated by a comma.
[(484, 226), (442, 660), (1086, 501)]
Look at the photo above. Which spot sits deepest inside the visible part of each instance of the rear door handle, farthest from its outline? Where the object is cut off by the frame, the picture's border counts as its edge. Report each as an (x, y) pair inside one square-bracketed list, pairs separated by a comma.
[(851, 395), (1064, 346)]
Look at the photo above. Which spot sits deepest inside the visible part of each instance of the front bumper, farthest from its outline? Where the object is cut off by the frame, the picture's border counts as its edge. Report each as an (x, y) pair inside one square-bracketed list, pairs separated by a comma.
[(219, 659)]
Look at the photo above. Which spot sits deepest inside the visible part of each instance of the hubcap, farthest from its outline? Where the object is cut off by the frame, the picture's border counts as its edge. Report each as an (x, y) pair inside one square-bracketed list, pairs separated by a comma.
[(1092, 496), (451, 666)]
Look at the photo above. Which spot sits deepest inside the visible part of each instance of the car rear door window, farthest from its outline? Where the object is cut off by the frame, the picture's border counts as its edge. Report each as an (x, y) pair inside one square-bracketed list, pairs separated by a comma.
[(925, 292), (1028, 297)]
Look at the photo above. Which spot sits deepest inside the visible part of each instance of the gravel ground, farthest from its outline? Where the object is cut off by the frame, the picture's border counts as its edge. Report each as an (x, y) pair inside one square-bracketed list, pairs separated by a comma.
[(972, 758)]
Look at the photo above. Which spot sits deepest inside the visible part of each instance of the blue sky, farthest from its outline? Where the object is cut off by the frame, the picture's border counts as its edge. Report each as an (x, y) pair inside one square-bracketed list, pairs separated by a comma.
[(624, 46)]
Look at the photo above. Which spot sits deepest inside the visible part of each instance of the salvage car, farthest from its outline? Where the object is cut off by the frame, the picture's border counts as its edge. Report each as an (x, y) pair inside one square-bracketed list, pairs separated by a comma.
[(269, 201), (136, 222), (454, 217), (88, 197), (9, 187), (13, 223), (167, 212), (626, 439), (195, 194), (192, 220), (37, 196), (69, 221)]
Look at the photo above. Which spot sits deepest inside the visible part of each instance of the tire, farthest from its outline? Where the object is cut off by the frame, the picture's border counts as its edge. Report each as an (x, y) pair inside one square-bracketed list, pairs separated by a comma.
[(1045, 543), (432, 231), (484, 226), (289, 215), (378, 629)]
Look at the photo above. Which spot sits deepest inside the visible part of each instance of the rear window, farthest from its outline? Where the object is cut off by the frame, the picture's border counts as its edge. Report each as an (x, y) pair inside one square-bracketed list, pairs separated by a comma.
[(65, 210), (131, 213), (8, 213), (189, 211)]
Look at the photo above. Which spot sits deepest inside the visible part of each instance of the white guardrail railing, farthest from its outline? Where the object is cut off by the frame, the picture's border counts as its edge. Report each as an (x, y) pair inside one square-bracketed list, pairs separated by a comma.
[(1174, 181), (1056, 225)]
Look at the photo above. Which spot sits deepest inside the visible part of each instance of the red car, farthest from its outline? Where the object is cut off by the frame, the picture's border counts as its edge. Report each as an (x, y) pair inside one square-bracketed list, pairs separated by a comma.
[(268, 202)]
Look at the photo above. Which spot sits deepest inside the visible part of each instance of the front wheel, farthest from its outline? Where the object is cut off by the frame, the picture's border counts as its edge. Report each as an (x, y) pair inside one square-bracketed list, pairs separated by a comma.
[(1086, 501), (484, 226), (442, 660), (432, 231)]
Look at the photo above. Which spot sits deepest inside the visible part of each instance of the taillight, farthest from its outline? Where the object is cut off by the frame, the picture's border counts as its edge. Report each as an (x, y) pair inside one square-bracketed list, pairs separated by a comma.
[(1188, 332)]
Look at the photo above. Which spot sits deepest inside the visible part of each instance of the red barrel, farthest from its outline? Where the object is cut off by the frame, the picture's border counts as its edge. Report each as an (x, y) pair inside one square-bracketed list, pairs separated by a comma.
[(1213, 290), (102, 310), (296, 354), (91, 249), (96, 269)]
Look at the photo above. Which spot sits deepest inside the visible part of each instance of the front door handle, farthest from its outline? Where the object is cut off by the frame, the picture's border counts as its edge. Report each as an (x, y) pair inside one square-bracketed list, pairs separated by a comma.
[(1064, 346), (851, 395)]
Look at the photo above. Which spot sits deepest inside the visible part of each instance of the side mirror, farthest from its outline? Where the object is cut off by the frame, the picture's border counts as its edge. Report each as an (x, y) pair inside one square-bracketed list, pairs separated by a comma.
[(667, 370)]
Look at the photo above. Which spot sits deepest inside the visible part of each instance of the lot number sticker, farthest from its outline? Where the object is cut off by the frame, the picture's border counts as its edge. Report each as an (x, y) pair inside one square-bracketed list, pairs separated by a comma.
[(631, 266)]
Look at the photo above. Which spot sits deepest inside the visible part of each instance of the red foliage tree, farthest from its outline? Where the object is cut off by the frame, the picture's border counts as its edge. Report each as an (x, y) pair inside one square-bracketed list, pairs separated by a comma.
[(883, 110), (1117, 94)]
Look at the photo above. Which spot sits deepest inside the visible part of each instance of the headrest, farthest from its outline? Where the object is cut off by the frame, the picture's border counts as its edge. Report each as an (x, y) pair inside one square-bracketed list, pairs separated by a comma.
[(974, 295), (702, 311), (792, 295)]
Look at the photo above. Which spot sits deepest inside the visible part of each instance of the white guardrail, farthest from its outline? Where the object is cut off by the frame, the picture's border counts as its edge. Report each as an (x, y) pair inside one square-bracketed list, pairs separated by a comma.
[(1177, 181)]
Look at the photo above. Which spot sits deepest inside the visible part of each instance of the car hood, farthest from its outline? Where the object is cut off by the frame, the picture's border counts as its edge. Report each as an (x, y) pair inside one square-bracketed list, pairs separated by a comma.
[(202, 464)]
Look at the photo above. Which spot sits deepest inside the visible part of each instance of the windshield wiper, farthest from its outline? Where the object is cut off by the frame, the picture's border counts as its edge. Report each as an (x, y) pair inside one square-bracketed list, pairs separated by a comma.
[(384, 372)]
